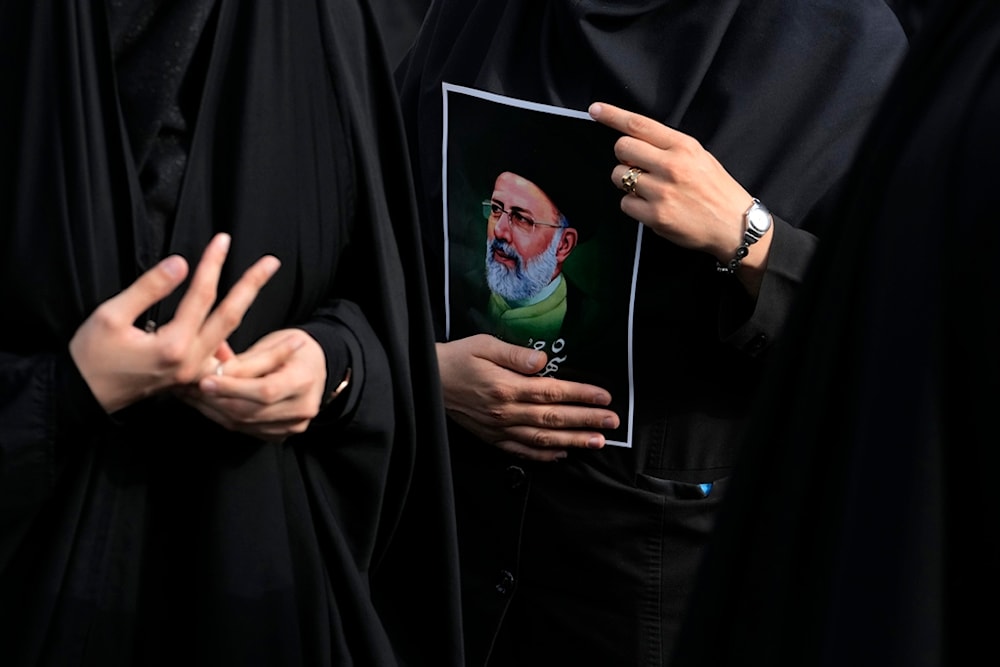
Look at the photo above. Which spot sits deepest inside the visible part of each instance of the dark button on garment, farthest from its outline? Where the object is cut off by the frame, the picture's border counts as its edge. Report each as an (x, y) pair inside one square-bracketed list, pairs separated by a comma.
[(757, 343), (506, 583), (516, 476)]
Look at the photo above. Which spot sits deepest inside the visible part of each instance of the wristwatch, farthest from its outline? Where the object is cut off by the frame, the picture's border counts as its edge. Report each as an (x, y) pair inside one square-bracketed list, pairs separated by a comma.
[(758, 220)]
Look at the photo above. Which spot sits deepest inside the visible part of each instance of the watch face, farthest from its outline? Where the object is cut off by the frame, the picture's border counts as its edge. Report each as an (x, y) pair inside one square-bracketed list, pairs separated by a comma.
[(758, 219)]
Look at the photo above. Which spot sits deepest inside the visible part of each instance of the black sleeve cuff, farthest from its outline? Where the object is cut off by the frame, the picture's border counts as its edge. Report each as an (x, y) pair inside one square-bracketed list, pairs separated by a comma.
[(76, 407), (344, 355), (751, 326)]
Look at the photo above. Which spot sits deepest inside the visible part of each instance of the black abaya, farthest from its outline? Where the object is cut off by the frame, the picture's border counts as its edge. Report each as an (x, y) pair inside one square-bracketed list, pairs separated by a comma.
[(861, 525), (154, 536), (590, 561)]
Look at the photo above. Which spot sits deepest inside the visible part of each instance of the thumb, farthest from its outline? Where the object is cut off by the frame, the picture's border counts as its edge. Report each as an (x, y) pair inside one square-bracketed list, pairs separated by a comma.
[(514, 357)]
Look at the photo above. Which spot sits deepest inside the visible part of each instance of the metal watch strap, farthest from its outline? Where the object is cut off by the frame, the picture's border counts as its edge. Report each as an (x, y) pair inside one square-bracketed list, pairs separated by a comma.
[(750, 237)]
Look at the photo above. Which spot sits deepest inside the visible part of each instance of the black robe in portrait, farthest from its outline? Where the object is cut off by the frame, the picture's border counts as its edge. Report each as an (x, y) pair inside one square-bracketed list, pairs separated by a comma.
[(590, 561), (154, 536), (862, 525)]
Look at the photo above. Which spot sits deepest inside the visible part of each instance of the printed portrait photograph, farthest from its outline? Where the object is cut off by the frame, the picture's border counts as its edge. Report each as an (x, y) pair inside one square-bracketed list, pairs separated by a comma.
[(539, 251)]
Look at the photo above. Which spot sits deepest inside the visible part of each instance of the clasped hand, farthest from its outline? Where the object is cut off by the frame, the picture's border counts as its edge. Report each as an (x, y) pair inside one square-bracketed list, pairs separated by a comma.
[(273, 389)]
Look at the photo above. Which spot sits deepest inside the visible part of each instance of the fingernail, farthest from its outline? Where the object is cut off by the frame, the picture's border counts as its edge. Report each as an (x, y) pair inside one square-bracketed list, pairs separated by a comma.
[(535, 359), (273, 265), (208, 386), (595, 109), (595, 443), (608, 422), (561, 455), (223, 240), (173, 266)]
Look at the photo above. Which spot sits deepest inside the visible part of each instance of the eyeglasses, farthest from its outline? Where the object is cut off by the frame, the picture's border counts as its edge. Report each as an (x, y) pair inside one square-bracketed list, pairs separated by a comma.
[(493, 211)]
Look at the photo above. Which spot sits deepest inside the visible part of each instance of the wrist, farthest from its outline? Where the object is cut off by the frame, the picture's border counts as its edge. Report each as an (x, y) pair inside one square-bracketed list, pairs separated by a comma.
[(757, 222)]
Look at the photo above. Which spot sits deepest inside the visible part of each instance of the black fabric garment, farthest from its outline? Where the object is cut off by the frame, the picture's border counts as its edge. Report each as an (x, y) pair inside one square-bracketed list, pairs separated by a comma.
[(862, 524), (590, 561), (154, 43), (400, 20), (911, 13), (153, 536)]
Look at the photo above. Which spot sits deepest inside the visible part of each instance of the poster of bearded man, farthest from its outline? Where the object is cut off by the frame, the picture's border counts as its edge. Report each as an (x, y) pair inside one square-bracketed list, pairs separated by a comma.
[(538, 251)]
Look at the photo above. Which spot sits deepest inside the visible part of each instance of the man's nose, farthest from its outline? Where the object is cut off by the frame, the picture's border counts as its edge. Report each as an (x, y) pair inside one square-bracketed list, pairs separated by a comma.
[(503, 229)]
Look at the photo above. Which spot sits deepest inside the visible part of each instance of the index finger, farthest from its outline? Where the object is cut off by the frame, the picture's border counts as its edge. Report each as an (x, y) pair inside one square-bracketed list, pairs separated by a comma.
[(635, 125), (201, 293), (148, 289), (529, 387), (546, 390)]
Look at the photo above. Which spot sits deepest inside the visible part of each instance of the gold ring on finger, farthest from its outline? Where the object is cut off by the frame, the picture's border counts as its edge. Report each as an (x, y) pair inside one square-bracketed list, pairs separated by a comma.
[(631, 179)]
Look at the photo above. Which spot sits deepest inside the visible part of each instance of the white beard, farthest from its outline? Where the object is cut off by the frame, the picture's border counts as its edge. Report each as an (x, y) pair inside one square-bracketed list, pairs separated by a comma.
[(525, 279)]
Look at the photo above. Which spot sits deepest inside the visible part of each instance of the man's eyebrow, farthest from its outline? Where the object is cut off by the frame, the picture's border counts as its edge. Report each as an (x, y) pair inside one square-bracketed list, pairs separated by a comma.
[(519, 209)]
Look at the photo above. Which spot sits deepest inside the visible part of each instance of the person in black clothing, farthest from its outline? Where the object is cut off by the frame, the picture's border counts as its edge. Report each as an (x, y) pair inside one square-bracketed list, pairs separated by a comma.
[(237, 459), (591, 560)]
